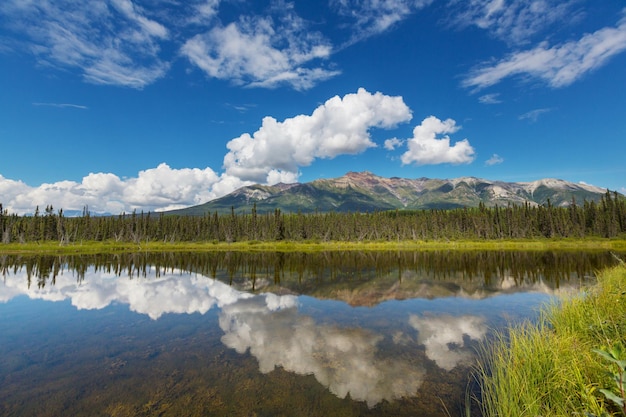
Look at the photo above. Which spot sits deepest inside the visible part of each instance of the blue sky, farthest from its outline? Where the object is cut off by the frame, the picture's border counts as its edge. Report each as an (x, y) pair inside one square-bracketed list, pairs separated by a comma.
[(124, 105)]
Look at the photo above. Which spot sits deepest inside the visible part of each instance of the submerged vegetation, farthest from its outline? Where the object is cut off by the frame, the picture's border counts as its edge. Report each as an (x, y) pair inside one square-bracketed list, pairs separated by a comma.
[(558, 366), (606, 219)]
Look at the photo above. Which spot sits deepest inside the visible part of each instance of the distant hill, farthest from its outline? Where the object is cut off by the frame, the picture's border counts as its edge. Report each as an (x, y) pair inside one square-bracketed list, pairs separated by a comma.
[(366, 192)]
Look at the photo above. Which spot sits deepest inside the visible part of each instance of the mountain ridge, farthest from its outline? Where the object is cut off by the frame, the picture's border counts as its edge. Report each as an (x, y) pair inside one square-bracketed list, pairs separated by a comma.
[(367, 192)]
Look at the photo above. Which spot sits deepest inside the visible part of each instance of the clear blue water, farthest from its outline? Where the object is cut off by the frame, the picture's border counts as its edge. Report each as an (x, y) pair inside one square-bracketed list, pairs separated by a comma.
[(148, 340)]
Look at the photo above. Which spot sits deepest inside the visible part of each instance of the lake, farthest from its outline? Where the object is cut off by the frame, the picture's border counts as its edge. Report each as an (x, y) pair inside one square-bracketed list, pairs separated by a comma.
[(263, 334)]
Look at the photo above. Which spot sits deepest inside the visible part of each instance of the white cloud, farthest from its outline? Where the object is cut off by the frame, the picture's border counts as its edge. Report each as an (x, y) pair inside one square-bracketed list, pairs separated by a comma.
[(426, 148), (393, 143), (559, 65), (494, 160), (110, 42), (339, 126), (160, 188), (257, 52), (9, 189)]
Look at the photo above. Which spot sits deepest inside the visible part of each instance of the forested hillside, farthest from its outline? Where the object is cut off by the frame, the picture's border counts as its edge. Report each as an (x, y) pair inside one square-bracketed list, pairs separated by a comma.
[(589, 219)]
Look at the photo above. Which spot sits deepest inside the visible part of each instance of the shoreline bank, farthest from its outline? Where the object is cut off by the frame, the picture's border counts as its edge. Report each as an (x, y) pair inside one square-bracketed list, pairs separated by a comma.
[(314, 246)]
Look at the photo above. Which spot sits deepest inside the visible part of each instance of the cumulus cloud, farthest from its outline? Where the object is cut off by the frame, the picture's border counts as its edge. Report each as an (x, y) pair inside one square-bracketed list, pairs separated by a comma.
[(110, 42), (558, 65), (155, 189), (339, 126), (258, 52), (425, 147), (271, 155)]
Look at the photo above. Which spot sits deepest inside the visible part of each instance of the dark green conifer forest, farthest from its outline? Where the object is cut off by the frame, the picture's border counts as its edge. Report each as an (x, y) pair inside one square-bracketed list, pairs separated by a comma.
[(606, 219)]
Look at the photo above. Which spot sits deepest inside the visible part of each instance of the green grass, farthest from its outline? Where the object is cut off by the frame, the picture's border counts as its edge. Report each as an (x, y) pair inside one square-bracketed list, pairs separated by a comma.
[(313, 246), (549, 368)]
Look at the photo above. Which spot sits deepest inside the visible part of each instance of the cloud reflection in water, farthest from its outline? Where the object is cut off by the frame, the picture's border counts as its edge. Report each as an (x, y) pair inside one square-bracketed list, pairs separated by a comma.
[(346, 360), (443, 336)]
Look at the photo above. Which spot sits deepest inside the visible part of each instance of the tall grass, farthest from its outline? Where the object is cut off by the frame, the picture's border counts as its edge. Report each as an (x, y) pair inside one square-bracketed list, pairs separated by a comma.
[(110, 246), (548, 368)]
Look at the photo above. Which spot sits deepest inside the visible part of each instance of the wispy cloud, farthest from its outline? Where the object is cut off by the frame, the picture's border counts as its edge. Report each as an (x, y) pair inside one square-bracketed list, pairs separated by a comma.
[(559, 65), (241, 108), (110, 42), (534, 115), (494, 160), (489, 99), (132, 43), (514, 21), (62, 105), (207, 10), (372, 17)]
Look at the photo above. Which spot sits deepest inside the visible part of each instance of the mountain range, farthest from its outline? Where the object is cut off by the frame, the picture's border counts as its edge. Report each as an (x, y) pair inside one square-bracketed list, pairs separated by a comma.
[(366, 192)]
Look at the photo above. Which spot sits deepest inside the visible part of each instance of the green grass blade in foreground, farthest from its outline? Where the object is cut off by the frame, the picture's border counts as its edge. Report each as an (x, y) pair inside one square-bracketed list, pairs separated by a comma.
[(549, 368)]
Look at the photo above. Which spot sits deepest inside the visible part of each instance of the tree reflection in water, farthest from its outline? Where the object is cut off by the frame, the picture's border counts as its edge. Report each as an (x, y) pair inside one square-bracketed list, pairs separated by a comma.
[(308, 273)]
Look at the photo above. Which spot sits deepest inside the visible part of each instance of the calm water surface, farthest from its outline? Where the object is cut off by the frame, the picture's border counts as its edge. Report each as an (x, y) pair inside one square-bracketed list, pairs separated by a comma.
[(262, 334)]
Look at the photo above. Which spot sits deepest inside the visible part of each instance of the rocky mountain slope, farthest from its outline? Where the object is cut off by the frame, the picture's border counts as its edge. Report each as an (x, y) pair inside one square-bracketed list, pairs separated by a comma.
[(366, 192)]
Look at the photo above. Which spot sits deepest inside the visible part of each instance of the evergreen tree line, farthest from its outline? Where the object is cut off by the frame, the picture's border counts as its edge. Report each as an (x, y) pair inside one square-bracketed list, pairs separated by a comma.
[(606, 218)]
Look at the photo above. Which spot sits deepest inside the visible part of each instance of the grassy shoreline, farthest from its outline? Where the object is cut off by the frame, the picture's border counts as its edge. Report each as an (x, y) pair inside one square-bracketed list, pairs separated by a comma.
[(550, 368), (309, 246)]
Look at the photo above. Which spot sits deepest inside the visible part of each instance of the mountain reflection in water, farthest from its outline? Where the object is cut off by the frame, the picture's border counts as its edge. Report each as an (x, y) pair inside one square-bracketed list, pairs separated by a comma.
[(371, 327)]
